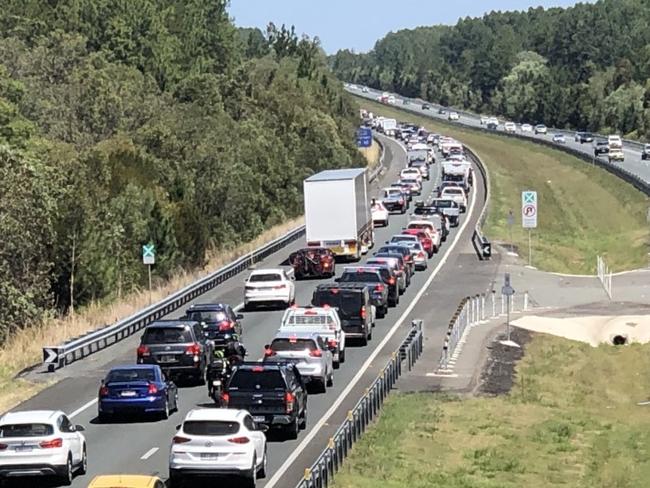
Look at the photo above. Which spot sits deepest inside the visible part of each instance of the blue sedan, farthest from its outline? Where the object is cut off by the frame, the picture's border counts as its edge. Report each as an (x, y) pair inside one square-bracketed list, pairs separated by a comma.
[(140, 388)]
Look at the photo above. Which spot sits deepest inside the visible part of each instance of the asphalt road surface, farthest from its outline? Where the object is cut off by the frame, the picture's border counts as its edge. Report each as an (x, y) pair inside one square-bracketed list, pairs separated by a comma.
[(142, 445), (633, 163)]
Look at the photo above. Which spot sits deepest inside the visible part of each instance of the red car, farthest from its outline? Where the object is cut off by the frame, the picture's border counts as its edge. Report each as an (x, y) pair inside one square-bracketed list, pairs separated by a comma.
[(425, 240), (313, 262)]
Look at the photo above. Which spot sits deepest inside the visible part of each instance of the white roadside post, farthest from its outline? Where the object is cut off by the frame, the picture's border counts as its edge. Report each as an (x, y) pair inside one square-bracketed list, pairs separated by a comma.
[(508, 291), (529, 218), (149, 258)]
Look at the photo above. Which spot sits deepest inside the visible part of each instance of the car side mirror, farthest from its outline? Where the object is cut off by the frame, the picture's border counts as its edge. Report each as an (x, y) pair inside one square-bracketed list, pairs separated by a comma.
[(239, 316), (262, 427), (79, 428), (267, 346)]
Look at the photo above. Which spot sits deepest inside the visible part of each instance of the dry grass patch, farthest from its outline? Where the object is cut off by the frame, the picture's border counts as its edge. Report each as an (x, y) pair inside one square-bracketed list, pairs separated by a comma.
[(23, 349), (583, 210), (372, 153)]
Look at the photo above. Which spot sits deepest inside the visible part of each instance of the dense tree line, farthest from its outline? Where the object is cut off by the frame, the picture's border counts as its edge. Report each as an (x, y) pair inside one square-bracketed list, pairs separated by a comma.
[(126, 122), (583, 67)]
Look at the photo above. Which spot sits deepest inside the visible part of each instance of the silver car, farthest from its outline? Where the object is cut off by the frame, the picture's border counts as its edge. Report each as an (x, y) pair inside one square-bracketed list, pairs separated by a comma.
[(308, 351), (393, 263), (418, 253)]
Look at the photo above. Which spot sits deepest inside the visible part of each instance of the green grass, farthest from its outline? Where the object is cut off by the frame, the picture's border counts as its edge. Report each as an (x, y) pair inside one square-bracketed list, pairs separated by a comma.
[(571, 421), (583, 210)]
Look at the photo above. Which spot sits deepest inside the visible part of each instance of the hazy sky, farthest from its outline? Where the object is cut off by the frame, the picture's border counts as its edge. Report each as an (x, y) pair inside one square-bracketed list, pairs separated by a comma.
[(358, 24)]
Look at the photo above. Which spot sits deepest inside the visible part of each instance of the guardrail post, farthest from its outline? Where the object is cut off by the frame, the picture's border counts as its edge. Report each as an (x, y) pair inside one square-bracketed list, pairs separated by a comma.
[(494, 303), (526, 301)]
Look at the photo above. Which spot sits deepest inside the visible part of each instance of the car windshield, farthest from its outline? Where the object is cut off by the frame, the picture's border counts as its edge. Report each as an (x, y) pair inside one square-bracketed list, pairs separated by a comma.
[(207, 315), (130, 374), (453, 191), (309, 319), (167, 335), (265, 277), (360, 277), (258, 378), (393, 249), (293, 345), (26, 430), (210, 427), (414, 245), (443, 203), (401, 238)]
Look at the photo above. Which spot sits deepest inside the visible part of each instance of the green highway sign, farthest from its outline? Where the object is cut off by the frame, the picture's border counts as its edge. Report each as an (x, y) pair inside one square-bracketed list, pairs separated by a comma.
[(148, 254)]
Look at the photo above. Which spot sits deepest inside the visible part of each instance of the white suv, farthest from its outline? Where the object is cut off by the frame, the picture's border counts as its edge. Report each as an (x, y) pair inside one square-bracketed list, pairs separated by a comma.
[(322, 320), (269, 286), (41, 443), (218, 442)]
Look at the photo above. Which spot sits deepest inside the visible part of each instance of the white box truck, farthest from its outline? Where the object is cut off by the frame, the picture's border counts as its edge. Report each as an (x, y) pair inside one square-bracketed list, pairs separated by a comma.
[(389, 126), (337, 212)]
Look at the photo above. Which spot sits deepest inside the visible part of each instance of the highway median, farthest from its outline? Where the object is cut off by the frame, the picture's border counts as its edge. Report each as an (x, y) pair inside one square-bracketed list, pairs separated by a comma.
[(583, 210)]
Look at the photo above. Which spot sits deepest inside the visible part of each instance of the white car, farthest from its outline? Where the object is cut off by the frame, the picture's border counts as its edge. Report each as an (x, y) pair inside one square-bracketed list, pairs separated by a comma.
[(269, 286), (354, 87), (510, 127), (379, 214), (414, 173), (41, 443), (457, 195), (429, 227), (559, 138), (454, 116), (484, 119), (526, 128), (324, 321), (364, 89), (217, 442), (615, 142), (391, 100), (540, 129)]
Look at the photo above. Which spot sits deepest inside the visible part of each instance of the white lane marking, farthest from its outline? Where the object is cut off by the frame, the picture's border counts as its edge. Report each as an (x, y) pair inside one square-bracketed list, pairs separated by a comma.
[(82, 408), (149, 453), (308, 438)]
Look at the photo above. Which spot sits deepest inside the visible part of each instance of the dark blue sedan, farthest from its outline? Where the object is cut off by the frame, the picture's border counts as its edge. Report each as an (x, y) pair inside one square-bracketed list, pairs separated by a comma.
[(136, 389)]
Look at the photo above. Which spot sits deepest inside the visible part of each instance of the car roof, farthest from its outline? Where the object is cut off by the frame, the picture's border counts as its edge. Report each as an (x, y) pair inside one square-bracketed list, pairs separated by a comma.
[(131, 480), (134, 366), (30, 416), (208, 306), (214, 414), (171, 323), (306, 334), (267, 271), (355, 269)]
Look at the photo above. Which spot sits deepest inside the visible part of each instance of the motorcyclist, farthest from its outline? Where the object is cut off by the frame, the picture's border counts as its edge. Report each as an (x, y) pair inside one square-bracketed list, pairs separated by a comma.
[(234, 351)]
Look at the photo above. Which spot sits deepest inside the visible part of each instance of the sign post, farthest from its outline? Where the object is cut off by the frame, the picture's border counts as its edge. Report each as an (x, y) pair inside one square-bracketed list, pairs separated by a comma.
[(529, 218), (149, 258), (511, 222), (508, 291)]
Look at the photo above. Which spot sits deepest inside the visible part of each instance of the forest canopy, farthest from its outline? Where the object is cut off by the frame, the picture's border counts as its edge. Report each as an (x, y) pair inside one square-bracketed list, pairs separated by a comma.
[(123, 123), (585, 67)]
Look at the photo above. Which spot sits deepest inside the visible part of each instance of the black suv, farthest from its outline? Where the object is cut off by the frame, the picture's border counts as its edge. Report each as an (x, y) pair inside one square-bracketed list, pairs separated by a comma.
[(371, 278), (219, 321), (353, 305), (401, 264), (601, 146), (273, 392), (583, 137), (390, 278), (179, 347), (426, 106)]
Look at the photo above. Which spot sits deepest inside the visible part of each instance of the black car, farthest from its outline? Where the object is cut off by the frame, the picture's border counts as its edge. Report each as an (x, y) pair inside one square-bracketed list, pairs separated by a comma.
[(390, 278), (273, 392), (219, 321), (583, 137), (179, 347), (401, 264), (353, 304), (645, 152), (442, 111), (371, 278), (405, 253), (426, 106), (601, 146), (492, 126)]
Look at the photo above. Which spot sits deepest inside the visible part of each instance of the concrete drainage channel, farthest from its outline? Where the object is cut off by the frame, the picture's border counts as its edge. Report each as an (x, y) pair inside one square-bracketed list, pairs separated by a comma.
[(321, 473)]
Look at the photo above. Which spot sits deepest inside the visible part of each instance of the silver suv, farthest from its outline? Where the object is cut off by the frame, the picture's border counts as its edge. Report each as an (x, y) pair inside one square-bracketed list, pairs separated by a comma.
[(308, 351)]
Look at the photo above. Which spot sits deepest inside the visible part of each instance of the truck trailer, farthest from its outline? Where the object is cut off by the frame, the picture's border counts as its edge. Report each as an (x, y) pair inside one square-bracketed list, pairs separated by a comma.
[(337, 212)]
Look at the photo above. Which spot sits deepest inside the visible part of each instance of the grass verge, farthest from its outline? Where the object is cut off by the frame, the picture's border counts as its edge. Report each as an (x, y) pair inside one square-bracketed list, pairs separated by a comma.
[(583, 210), (570, 420), (24, 348)]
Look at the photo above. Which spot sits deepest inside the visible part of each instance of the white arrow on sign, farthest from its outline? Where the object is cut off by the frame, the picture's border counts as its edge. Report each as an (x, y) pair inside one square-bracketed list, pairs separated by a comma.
[(51, 355)]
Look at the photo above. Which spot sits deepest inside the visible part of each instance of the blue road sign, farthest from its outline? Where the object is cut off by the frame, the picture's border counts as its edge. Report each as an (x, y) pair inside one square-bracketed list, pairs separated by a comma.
[(364, 137)]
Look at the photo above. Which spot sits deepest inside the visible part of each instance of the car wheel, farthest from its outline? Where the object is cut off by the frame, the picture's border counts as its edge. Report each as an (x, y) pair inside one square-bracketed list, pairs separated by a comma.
[(381, 313), (103, 417), (330, 379), (83, 465), (251, 478), (200, 379), (67, 472), (303, 421), (364, 340), (293, 429), (164, 415), (261, 473), (369, 335), (175, 478), (342, 356), (337, 364)]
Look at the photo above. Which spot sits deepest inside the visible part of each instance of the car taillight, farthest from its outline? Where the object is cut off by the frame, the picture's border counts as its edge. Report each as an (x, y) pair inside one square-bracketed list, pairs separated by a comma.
[(239, 440), (391, 280), (421, 254), (226, 325), (143, 351), (269, 352), (152, 389), (180, 439), (193, 350), (332, 343), (289, 398), (225, 398), (280, 287), (379, 288), (103, 391), (3, 447), (363, 313), (315, 353), (58, 442)]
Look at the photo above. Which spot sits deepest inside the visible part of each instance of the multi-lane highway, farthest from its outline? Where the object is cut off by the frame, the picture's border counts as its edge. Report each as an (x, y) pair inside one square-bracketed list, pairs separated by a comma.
[(142, 446), (632, 164)]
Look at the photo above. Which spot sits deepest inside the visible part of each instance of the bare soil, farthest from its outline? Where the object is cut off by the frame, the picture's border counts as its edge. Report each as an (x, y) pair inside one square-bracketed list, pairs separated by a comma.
[(498, 375)]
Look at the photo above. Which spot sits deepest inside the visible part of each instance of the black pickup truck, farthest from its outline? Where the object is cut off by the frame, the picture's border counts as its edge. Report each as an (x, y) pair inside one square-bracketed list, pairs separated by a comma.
[(273, 392)]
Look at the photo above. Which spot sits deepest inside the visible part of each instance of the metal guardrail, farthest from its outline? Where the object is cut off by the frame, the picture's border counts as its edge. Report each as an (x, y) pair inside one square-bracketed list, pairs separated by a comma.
[(481, 243), (82, 346), (472, 311), (321, 473)]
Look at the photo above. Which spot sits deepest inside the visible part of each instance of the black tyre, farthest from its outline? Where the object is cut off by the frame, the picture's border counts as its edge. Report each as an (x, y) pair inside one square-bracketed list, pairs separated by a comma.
[(303, 421), (342, 356), (251, 477), (83, 465), (66, 472), (175, 479), (261, 473), (292, 430)]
